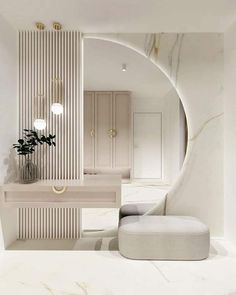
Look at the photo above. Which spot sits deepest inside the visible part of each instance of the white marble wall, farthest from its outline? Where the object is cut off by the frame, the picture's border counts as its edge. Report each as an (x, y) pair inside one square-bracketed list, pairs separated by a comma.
[(230, 133), (8, 126), (8, 100), (194, 64)]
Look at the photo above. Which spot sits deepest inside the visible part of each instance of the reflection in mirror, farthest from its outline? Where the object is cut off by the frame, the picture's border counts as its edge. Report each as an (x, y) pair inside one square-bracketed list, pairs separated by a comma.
[(134, 122)]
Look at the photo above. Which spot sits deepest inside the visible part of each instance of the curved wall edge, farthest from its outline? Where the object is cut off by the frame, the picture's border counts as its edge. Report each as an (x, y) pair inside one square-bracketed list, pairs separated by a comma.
[(193, 63)]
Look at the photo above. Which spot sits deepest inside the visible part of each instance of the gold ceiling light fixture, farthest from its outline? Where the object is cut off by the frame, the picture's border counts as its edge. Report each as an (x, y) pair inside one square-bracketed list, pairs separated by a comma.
[(57, 26), (40, 26)]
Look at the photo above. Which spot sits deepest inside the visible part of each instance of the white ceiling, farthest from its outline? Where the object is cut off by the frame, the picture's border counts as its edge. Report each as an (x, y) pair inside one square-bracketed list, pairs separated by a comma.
[(102, 16), (103, 71)]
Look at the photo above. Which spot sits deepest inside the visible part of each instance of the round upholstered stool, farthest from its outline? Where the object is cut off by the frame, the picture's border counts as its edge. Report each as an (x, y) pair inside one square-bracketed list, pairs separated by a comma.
[(163, 238)]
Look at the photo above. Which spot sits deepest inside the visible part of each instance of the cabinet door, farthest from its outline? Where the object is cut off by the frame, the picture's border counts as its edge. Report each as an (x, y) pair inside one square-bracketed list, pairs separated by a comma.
[(103, 123), (89, 129), (147, 145), (121, 124)]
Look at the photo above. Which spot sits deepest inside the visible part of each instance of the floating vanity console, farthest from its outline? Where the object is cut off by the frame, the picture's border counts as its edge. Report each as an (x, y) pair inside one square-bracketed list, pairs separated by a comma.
[(51, 209), (93, 191)]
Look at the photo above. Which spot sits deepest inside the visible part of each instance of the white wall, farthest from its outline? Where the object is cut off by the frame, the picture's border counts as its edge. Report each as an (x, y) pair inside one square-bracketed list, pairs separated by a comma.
[(174, 147), (230, 133), (8, 126), (8, 93), (169, 106)]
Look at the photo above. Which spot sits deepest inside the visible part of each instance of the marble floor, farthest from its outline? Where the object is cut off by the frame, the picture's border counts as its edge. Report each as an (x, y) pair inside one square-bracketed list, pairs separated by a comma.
[(108, 273)]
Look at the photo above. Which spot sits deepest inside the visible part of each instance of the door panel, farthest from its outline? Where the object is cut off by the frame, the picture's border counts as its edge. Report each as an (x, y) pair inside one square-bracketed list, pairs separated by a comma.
[(89, 129), (103, 123), (121, 123), (147, 159)]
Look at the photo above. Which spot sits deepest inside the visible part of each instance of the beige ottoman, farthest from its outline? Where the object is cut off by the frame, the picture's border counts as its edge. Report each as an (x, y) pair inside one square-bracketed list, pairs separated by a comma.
[(163, 238)]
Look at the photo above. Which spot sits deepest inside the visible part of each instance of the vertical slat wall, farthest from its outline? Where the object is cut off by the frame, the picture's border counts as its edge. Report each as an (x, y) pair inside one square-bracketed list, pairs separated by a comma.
[(43, 57), (49, 223)]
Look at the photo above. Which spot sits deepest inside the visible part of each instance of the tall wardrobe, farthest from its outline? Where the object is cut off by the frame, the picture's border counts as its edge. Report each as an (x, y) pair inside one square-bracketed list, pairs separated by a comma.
[(107, 132)]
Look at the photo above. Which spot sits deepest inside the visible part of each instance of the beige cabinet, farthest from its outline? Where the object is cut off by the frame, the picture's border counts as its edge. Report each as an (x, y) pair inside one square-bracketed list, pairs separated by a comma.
[(121, 124), (103, 123), (89, 113), (107, 132)]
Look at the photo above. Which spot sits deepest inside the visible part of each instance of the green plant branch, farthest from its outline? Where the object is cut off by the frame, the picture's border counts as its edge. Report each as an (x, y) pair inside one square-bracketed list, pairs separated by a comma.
[(31, 139)]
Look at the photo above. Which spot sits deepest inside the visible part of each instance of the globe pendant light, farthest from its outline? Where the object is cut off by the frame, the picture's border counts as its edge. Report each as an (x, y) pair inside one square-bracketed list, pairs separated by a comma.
[(57, 108), (39, 124)]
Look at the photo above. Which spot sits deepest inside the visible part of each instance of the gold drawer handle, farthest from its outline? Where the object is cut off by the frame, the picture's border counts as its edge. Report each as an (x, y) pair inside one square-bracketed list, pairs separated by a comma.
[(59, 190), (112, 133)]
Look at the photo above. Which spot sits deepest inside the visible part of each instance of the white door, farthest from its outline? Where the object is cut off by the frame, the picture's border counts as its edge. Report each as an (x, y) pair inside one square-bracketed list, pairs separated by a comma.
[(147, 157)]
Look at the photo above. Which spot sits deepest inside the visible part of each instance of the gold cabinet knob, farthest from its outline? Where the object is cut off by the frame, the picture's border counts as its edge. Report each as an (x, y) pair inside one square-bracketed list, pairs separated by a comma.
[(112, 133)]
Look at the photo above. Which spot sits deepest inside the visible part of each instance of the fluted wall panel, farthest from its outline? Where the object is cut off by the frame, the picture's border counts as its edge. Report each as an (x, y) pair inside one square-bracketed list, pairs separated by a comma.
[(49, 223), (46, 57)]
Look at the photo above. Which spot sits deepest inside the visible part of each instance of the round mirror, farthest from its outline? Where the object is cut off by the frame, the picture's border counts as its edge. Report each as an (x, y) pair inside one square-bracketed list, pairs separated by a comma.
[(134, 125)]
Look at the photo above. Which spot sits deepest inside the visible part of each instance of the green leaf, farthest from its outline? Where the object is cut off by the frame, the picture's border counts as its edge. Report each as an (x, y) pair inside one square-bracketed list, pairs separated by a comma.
[(21, 141)]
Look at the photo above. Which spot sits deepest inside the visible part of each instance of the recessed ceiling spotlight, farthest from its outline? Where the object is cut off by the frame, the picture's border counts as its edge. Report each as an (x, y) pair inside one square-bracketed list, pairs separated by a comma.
[(124, 67)]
